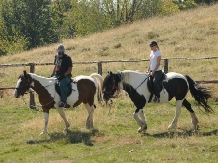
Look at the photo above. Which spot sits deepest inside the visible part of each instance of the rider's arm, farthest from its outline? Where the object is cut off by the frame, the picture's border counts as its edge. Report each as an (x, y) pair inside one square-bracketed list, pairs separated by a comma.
[(68, 71)]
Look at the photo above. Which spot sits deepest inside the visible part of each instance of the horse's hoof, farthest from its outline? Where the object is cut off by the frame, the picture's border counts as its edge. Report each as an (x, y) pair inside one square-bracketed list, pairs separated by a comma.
[(89, 125), (142, 130), (196, 128), (172, 127), (44, 132)]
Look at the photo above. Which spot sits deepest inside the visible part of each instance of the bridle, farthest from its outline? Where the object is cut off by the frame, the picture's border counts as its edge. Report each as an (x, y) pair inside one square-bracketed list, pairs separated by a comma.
[(27, 84), (114, 87)]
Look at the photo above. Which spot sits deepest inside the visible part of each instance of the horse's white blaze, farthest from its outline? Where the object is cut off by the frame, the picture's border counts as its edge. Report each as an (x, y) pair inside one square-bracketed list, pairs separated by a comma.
[(17, 86)]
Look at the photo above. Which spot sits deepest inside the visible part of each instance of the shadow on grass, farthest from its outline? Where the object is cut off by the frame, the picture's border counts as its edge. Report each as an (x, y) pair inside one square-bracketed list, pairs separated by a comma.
[(73, 137), (184, 134)]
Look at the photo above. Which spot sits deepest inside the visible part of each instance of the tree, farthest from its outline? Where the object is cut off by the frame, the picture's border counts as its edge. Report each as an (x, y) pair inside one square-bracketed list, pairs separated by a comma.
[(32, 19)]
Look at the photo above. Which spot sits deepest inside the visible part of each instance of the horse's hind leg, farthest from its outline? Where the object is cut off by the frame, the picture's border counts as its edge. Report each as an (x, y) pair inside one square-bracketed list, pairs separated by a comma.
[(89, 120), (62, 114), (173, 125), (192, 113)]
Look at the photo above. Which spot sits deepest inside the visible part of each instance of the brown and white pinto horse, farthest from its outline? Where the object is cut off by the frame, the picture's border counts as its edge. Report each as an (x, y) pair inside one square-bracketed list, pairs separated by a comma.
[(83, 91), (175, 85)]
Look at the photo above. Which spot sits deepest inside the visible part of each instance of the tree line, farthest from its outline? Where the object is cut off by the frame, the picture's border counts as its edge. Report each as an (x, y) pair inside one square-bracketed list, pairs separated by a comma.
[(26, 24)]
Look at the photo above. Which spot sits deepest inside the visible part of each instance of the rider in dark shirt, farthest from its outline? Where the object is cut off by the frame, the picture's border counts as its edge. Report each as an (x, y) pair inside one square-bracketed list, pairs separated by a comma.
[(62, 71)]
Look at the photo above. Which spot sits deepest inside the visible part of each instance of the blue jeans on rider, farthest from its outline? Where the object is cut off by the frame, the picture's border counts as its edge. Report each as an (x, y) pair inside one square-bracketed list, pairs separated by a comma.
[(156, 81), (63, 87)]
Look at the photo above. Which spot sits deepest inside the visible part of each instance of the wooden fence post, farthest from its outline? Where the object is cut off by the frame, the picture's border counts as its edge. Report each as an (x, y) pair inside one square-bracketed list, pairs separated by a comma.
[(100, 68), (165, 66), (32, 96)]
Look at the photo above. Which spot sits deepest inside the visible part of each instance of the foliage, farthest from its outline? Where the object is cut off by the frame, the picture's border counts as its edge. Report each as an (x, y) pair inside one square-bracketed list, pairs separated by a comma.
[(208, 2), (32, 23), (184, 5), (30, 19)]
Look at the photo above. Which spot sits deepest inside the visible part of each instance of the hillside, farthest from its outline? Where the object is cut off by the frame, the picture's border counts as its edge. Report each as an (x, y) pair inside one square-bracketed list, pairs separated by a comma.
[(189, 34)]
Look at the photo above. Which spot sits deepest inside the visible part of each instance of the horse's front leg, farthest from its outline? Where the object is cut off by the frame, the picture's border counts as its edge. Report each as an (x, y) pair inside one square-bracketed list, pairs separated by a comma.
[(46, 117), (173, 125), (62, 114), (140, 119), (89, 120)]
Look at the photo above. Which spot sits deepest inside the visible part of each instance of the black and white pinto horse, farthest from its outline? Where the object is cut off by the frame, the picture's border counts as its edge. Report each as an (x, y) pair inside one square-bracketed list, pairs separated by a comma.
[(84, 89), (174, 85)]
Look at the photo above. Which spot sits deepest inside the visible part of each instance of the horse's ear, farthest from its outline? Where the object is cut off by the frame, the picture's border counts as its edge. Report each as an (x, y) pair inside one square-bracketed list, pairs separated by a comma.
[(24, 72), (110, 73)]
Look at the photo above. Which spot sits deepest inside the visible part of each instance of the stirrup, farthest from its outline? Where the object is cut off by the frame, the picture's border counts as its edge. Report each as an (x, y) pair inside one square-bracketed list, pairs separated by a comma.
[(62, 105)]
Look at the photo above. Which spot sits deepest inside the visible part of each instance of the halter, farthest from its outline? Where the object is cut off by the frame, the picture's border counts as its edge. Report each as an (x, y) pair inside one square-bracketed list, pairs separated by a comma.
[(114, 87)]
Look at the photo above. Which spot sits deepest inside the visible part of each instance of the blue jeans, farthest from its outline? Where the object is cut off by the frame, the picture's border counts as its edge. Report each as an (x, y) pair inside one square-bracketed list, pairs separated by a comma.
[(157, 83), (63, 84)]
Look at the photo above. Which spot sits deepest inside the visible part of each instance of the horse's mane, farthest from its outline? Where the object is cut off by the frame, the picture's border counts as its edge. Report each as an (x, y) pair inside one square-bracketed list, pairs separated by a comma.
[(132, 71), (130, 76), (35, 75)]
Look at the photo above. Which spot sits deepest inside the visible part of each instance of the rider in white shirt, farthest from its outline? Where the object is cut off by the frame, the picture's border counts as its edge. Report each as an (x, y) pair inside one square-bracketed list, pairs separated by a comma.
[(155, 68)]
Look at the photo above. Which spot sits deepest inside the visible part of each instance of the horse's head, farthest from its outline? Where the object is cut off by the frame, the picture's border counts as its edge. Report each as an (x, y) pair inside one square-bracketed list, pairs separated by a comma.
[(110, 85), (23, 84)]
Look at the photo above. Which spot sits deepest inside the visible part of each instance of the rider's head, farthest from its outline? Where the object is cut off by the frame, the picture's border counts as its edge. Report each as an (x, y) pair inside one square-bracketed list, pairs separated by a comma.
[(153, 43), (60, 50)]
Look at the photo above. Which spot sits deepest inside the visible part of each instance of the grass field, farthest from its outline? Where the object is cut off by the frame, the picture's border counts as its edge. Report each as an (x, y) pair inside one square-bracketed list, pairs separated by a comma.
[(114, 139)]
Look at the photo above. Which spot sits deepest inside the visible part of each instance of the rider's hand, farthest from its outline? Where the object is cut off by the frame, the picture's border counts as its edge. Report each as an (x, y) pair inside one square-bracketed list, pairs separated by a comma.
[(60, 77)]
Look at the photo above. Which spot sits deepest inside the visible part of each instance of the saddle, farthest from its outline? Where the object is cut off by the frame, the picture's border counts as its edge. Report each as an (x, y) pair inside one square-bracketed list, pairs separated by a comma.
[(150, 84), (69, 86)]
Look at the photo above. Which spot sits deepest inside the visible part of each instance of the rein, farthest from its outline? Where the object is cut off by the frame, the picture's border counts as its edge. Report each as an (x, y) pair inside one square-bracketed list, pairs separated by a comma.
[(143, 81), (38, 105)]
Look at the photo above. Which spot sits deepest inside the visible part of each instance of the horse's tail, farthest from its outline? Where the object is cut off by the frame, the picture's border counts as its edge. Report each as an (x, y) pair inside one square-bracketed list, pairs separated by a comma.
[(99, 79), (200, 94)]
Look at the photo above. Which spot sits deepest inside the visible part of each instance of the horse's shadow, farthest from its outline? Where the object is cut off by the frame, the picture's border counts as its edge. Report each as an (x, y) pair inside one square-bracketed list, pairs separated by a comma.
[(184, 134), (72, 137)]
